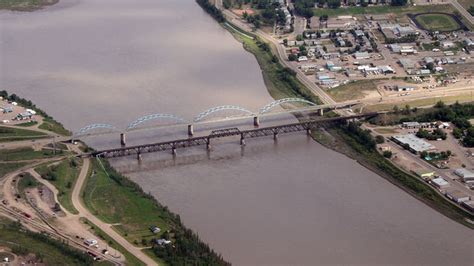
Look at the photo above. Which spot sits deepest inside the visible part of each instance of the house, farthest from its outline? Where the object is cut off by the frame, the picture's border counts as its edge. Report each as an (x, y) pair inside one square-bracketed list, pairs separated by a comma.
[(447, 44), (155, 229), (440, 183), (90, 242), (162, 242), (361, 55)]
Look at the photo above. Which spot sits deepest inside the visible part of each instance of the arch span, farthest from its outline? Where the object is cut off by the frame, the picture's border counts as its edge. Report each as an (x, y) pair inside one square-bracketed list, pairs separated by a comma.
[(146, 118), (206, 113), (270, 106), (84, 130)]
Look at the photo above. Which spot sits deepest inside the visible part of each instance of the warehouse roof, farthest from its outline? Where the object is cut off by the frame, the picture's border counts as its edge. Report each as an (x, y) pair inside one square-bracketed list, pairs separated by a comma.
[(415, 143)]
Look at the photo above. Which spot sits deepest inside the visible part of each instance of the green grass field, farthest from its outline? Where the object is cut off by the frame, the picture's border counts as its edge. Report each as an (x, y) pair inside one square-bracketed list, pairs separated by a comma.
[(26, 181), (63, 176), (437, 22), (14, 134), (53, 126), (352, 91), (113, 203), (6, 168), (420, 103), (26, 154), (27, 124)]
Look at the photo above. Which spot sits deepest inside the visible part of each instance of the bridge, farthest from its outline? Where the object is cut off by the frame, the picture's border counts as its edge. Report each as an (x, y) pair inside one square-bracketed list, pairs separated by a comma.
[(203, 117), (173, 145)]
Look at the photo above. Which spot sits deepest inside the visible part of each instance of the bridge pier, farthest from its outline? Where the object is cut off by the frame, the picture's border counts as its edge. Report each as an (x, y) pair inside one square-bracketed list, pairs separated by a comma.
[(173, 151), (190, 130), (321, 112), (242, 140), (256, 121), (139, 156), (308, 131), (275, 135), (123, 139), (208, 144)]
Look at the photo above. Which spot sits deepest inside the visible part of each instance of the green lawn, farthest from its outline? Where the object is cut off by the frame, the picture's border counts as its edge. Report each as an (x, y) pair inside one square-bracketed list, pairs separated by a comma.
[(13, 134), (53, 126), (114, 203), (63, 176), (437, 22), (6, 168), (27, 124), (26, 181), (352, 91), (25, 5), (51, 251), (26, 154)]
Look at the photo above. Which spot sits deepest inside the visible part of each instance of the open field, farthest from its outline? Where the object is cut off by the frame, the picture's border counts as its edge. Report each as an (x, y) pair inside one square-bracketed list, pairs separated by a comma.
[(437, 22), (13, 134), (420, 103), (26, 181), (9, 167), (63, 176), (26, 154), (352, 91), (51, 252), (53, 126), (25, 5)]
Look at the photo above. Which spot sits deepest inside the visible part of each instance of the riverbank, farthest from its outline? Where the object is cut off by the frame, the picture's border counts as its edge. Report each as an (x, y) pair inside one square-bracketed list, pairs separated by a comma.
[(337, 138), (25, 5)]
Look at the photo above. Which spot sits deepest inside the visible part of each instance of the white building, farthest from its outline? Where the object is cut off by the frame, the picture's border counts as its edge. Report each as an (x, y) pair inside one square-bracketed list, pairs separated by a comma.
[(465, 174), (440, 183)]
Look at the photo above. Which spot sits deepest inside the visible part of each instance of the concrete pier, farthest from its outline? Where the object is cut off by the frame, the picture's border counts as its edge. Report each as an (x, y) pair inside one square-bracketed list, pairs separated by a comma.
[(256, 121), (275, 136), (190, 130), (321, 112), (173, 151), (139, 156), (242, 140), (123, 140), (208, 144)]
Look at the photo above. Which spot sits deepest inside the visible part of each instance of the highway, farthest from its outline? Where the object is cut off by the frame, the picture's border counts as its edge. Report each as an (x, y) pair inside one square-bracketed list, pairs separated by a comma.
[(462, 10)]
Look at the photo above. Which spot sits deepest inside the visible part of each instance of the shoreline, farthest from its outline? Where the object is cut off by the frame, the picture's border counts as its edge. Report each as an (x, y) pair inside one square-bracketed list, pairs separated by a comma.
[(444, 206), (28, 5)]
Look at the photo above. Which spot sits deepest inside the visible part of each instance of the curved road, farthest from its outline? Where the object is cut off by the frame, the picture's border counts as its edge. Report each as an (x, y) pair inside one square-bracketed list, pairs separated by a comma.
[(107, 228)]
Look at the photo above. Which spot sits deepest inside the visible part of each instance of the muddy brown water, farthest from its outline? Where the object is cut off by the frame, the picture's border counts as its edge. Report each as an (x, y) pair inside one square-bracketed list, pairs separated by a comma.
[(287, 202)]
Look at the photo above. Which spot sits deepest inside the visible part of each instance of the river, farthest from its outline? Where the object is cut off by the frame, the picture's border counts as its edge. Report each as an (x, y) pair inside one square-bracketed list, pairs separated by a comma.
[(291, 202)]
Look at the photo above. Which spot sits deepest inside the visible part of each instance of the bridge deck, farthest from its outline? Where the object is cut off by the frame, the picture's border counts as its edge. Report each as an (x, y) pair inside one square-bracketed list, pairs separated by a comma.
[(205, 140)]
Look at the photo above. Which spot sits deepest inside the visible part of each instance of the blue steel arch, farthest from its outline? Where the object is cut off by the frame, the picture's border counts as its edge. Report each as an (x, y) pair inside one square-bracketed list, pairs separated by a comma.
[(273, 104), (146, 118), (210, 111), (84, 130)]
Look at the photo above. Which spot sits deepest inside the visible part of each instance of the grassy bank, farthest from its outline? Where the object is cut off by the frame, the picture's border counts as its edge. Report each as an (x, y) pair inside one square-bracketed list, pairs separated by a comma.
[(420, 103), (63, 176), (115, 199), (27, 154), (25, 5), (6, 168), (13, 134), (349, 143), (50, 251), (281, 82)]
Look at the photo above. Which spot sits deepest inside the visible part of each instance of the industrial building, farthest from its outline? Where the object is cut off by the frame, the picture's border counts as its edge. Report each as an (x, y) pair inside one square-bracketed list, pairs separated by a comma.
[(413, 143), (457, 196), (465, 174), (440, 183)]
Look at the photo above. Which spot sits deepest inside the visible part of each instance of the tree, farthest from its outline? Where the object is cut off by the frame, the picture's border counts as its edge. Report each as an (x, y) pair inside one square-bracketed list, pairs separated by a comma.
[(379, 139), (387, 154), (399, 2), (334, 3), (292, 57)]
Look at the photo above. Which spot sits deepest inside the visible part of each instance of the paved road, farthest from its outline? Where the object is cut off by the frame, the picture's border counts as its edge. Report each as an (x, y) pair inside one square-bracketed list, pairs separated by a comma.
[(84, 212), (463, 11), (324, 97)]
